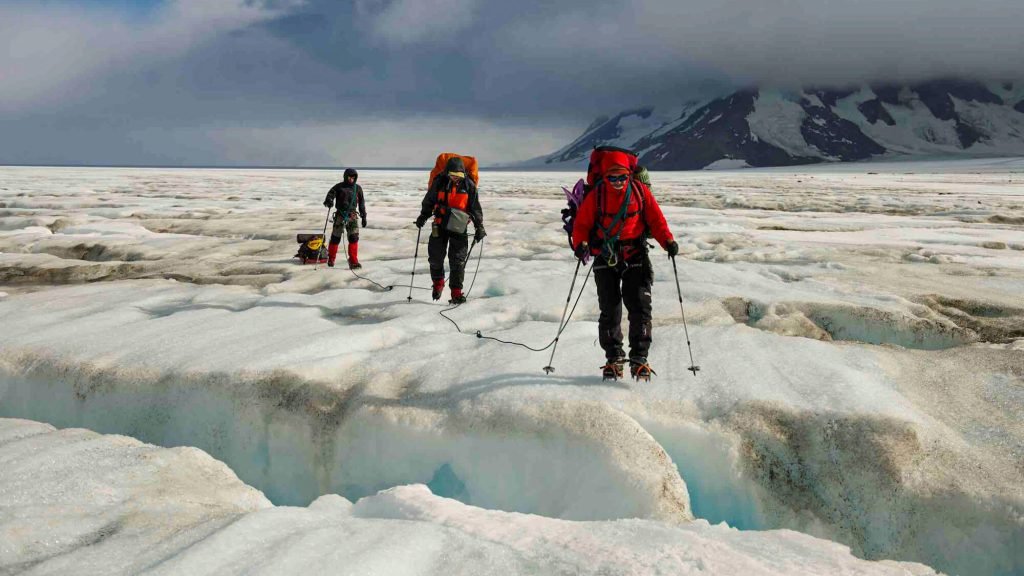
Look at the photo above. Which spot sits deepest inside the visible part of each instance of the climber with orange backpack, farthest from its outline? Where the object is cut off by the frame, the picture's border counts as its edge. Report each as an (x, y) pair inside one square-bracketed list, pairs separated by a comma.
[(453, 202), (615, 215)]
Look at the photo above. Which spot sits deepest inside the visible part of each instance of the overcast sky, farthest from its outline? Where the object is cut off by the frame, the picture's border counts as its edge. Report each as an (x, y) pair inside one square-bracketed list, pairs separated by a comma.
[(394, 82)]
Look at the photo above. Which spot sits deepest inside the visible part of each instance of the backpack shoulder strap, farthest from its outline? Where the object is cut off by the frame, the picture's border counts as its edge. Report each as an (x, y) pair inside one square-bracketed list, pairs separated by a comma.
[(640, 198), (354, 200)]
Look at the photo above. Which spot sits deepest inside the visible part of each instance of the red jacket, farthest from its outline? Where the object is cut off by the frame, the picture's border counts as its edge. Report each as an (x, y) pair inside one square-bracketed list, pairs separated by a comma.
[(631, 226)]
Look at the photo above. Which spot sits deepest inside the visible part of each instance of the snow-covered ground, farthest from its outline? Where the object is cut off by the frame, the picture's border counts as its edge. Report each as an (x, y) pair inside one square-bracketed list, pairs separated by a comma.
[(860, 332)]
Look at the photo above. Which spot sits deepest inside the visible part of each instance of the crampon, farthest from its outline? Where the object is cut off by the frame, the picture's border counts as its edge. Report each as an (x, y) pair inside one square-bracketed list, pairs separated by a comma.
[(612, 370), (641, 371)]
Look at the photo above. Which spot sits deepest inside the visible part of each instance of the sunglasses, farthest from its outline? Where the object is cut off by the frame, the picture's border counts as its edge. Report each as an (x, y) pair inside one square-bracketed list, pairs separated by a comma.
[(617, 179)]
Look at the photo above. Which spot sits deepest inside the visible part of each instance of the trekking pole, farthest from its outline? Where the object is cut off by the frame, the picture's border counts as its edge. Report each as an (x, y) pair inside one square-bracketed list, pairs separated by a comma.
[(549, 368), (479, 257), (693, 367), (415, 255), (323, 241)]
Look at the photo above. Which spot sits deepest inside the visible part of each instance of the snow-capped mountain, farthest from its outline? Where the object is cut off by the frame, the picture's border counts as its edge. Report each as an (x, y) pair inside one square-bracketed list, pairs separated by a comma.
[(775, 128)]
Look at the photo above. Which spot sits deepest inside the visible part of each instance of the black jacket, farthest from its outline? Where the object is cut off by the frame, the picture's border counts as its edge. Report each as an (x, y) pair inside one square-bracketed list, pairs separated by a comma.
[(348, 200), (442, 182)]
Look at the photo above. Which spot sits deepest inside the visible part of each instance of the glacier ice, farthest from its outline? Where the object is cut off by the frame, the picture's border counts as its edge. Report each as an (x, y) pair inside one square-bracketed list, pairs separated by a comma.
[(847, 391)]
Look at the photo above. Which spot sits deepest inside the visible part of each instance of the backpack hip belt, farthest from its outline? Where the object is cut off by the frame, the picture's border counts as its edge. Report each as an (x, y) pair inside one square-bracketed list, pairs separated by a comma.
[(625, 253)]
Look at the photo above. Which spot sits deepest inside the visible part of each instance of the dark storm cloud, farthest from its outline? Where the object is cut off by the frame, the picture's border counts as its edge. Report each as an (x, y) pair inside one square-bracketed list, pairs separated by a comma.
[(231, 74), (556, 58)]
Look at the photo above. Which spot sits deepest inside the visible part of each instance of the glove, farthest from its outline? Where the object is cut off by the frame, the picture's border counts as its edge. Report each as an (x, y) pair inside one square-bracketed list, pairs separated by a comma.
[(329, 203), (364, 222), (480, 233), (420, 222), (672, 248), (582, 251)]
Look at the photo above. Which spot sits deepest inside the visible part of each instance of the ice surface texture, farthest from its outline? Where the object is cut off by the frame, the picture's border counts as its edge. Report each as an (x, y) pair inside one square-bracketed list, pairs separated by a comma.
[(75, 502), (859, 334)]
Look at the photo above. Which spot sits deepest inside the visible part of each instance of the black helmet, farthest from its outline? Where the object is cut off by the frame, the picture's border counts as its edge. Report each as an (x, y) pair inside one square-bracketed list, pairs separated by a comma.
[(352, 172), (455, 164)]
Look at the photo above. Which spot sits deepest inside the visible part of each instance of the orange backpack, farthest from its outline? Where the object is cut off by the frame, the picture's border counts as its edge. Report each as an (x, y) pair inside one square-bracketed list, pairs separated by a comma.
[(442, 162)]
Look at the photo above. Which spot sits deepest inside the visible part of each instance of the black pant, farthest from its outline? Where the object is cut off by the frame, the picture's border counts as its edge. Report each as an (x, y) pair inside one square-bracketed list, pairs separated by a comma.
[(457, 248), (629, 283)]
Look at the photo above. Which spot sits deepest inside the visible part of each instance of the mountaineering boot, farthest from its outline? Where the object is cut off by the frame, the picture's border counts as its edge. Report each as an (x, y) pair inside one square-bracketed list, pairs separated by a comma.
[(613, 369), (353, 256), (639, 369), (438, 289), (332, 253), (457, 296)]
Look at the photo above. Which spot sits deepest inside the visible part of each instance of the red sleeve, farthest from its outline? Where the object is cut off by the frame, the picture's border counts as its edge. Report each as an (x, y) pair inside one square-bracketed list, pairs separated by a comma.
[(584, 222), (655, 219)]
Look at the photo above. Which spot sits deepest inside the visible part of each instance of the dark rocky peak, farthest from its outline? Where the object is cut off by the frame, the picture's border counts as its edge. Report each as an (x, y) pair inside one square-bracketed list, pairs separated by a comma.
[(829, 96), (938, 95), (939, 102), (736, 106), (873, 111), (888, 93), (836, 137), (729, 110), (610, 129), (689, 106), (601, 130), (967, 90), (596, 123), (716, 131), (968, 135)]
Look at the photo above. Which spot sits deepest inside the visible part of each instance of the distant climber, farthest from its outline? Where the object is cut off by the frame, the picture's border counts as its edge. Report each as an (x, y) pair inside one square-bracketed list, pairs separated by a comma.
[(349, 196)]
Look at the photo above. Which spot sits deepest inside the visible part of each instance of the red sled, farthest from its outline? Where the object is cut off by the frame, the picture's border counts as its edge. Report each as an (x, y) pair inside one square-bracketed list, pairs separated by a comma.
[(311, 249)]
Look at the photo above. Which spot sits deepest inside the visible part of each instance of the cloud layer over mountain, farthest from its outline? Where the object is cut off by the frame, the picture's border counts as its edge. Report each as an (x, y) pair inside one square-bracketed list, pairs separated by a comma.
[(313, 82)]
